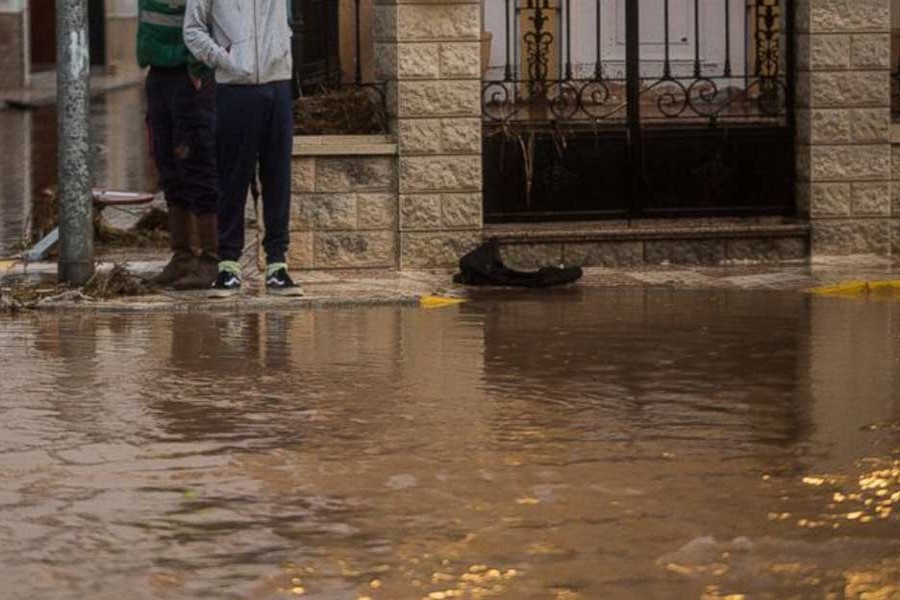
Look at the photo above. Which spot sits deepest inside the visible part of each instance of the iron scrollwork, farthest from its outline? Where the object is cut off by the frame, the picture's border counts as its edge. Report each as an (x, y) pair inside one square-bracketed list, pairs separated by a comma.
[(531, 92), (538, 95)]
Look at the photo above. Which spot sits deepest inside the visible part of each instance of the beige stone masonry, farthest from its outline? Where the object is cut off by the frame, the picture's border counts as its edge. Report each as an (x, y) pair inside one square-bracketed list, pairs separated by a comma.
[(411, 200), (843, 16), (345, 211), (429, 53), (844, 157), (344, 145), (652, 242), (439, 98)]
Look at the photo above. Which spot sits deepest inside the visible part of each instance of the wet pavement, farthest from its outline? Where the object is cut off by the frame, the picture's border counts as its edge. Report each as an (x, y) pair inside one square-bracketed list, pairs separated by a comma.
[(584, 443), (28, 158)]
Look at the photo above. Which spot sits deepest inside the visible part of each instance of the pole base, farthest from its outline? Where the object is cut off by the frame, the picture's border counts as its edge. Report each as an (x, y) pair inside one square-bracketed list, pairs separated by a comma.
[(75, 273)]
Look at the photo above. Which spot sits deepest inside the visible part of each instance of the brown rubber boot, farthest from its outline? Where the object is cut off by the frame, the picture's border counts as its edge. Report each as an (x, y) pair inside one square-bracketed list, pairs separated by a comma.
[(205, 266), (182, 227)]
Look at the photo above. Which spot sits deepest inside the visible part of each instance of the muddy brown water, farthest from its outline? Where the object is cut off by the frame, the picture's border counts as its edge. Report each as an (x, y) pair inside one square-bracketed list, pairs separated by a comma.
[(646, 444), (28, 158)]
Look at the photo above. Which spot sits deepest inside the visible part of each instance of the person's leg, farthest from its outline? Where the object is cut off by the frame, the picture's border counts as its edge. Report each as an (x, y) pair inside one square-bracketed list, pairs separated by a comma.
[(160, 130), (194, 116), (275, 172), (195, 158), (239, 112)]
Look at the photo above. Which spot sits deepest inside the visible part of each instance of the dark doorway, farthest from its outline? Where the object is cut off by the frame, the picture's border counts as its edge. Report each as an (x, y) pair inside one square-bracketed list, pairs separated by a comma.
[(97, 29), (43, 33)]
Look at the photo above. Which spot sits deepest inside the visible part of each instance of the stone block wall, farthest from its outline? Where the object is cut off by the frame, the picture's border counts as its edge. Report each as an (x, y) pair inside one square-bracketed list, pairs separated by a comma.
[(121, 32), (429, 53), (13, 60), (345, 212), (418, 204), (895, 192), (844, 162), (653, 242)]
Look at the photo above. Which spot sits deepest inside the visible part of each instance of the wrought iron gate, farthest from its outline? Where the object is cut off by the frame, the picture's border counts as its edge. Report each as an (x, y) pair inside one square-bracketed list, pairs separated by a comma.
[(694, 116)]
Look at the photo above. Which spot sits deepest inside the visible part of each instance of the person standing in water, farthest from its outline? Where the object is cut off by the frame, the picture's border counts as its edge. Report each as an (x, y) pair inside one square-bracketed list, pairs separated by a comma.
[(248, 43), (181, 126)]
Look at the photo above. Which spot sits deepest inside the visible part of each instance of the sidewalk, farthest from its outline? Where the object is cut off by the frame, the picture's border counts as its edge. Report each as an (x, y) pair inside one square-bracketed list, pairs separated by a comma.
[(42, 91), (368, 287)]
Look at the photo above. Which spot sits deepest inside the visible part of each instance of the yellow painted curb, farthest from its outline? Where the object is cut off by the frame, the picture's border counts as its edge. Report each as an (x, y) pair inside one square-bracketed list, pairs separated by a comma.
[(859, 288), (6, 265), (439, 302)]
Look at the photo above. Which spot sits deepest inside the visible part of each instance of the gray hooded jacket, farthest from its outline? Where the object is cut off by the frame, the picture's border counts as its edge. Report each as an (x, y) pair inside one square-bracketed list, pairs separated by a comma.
[(247, 42)]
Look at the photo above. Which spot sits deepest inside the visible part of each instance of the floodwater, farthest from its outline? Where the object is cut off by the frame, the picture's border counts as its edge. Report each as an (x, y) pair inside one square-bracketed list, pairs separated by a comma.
[(28, 158), (645, 444)]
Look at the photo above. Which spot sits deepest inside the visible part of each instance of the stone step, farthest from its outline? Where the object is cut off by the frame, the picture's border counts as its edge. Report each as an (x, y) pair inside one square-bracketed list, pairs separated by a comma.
[(637, 243)]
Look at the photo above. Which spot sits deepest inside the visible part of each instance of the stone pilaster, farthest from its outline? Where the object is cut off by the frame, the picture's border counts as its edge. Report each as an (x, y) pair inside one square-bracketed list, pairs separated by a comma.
[(429, 53), (121, 31), (844, 124)]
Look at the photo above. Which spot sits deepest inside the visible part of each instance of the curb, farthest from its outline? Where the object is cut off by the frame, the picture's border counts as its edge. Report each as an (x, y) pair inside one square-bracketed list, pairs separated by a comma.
[(156, 305)]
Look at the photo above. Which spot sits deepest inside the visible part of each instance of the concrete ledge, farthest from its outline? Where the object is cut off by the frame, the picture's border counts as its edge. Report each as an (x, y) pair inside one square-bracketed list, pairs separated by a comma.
[(619, 244), (344, 145), (651, 229)]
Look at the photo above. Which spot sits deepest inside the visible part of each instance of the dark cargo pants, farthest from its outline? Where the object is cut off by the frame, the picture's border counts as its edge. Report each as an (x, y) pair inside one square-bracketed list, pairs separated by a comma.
[(181, 125)]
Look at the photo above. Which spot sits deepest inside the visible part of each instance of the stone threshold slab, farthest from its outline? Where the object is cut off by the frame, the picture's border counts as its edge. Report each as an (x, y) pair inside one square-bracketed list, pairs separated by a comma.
[(344, 145), (645, 230)]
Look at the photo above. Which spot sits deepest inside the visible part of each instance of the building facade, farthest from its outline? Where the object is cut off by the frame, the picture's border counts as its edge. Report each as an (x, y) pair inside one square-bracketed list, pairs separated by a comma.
[(606, 132), (597, 134), (756, 130), (28, 37)]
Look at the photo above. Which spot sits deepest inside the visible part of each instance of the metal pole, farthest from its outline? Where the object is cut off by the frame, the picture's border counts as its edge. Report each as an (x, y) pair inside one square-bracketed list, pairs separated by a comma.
[(76, 225), (359, 77), (633, 102)]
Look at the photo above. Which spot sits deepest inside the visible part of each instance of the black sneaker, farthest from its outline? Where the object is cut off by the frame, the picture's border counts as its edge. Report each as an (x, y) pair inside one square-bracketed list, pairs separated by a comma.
[(279, 282), (226, 284)]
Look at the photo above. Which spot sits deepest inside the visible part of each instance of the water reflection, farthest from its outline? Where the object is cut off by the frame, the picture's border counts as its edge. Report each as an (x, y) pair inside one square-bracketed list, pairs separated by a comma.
[(628, 444), (28, 161)]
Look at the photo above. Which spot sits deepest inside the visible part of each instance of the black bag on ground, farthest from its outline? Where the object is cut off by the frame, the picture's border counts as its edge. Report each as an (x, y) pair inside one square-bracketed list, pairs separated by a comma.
[(483, 266)]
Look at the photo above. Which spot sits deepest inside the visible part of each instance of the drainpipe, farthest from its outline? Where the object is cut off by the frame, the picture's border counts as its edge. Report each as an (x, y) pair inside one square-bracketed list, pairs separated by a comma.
[(76, 225)]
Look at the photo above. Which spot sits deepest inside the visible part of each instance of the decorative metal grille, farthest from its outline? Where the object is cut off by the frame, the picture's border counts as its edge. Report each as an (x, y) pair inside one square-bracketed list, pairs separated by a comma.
[(710, 88), (635, 108)]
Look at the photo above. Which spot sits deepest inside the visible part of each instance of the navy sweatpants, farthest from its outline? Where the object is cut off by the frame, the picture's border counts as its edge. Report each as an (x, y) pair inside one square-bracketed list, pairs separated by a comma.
[(181, 123), (254, 127)]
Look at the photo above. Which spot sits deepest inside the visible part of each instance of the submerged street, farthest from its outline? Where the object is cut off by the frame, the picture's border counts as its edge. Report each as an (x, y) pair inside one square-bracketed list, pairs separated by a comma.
[(449, 300), (586, 443)]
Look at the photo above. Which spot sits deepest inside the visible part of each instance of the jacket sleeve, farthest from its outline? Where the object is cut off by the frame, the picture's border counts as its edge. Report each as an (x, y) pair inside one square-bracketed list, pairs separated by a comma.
[(197, 19)]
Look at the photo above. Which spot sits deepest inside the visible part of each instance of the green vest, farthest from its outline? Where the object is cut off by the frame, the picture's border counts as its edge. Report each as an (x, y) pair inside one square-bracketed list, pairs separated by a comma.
[(160, 42)]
